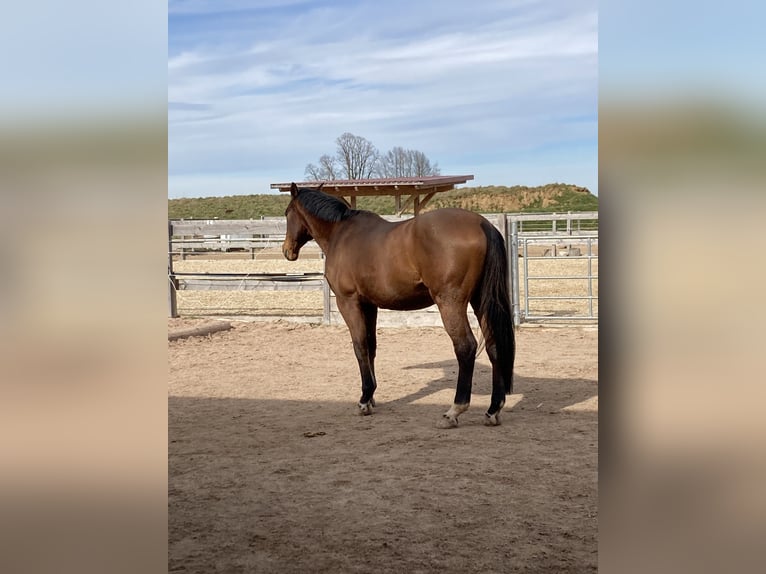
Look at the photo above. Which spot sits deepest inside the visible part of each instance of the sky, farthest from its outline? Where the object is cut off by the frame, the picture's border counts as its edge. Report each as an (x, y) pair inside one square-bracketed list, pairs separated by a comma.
[(504, 91)]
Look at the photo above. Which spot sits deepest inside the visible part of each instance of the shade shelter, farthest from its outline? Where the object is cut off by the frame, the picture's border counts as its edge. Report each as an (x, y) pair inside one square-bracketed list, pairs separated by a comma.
[(407, 191)]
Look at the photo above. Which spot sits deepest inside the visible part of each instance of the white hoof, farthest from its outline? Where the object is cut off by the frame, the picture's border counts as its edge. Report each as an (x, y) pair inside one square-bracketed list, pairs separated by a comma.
[(447, 422), (449, 419), (492, 420), (366, 408)]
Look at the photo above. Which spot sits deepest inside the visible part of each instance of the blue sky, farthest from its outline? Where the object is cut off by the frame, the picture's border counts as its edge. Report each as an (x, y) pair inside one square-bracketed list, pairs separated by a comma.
[(506, 91)]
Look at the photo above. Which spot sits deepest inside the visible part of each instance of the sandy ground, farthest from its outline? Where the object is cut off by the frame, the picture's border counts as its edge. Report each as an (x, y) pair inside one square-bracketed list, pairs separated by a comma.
[(271, 469)]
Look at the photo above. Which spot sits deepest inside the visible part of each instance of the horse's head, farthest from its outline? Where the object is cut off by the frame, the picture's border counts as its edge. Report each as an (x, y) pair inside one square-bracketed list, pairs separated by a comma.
[(298, 233)]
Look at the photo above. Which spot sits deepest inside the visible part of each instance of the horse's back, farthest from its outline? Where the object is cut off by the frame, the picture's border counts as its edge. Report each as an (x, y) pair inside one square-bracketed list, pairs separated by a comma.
[(450, 247), (434, 225), (450, 220), (451, 230)]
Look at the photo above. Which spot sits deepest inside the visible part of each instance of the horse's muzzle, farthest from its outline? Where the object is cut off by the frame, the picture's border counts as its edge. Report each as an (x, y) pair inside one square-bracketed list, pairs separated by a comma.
[(289, 255)]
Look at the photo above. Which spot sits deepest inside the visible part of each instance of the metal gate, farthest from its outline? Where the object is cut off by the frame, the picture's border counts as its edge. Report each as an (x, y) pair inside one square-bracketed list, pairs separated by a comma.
[(554, 276)]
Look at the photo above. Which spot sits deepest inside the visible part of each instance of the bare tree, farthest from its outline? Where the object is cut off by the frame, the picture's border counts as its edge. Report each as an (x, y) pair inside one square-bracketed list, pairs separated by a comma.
[(356, 155), (400, 162), (421, 165), (394, 163), (329, 166), (357, 158), (312, 172), (326, 170)]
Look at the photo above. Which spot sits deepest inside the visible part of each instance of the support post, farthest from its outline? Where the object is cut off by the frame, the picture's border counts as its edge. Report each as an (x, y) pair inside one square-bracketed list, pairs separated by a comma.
[(410, 199), (425, 200)]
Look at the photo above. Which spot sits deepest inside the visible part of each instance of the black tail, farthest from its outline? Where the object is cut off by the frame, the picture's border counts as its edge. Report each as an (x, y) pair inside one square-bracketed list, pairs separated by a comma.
[(495, 304)]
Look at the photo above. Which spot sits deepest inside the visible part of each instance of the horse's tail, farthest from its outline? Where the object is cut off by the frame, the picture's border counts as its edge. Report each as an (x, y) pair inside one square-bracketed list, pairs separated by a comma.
[(495, 304)]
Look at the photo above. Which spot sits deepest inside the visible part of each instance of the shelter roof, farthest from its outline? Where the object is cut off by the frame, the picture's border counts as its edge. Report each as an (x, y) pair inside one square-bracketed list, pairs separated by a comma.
[(414, 187), (382, 185)]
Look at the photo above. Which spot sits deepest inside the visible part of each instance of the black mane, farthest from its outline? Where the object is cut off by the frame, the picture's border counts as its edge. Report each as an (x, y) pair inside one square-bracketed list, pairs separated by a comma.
[(323, 206)]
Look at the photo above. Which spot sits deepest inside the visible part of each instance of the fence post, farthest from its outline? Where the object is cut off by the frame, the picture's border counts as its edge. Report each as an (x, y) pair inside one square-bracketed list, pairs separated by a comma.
[(513, 263), (172, 283), (502, 226), (590, 276), (326, 315)]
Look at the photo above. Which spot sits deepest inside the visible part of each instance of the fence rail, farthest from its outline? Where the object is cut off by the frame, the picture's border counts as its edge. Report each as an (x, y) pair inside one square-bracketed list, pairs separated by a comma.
[(577, 223), (249, 281)]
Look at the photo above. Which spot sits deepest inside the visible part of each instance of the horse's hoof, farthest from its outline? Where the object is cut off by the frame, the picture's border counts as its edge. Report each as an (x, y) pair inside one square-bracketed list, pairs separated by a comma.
[(492, 420), (365, 408), (447, 422)]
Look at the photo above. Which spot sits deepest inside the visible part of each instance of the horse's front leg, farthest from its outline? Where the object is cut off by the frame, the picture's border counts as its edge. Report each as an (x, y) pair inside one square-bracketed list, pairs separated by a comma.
[(361, 320)]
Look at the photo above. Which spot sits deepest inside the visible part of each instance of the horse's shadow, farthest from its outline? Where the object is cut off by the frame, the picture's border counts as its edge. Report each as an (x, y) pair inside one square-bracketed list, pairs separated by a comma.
[(539, 392)]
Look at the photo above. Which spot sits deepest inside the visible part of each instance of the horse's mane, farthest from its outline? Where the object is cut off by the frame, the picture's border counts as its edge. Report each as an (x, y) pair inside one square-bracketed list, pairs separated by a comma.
[(323, 206)]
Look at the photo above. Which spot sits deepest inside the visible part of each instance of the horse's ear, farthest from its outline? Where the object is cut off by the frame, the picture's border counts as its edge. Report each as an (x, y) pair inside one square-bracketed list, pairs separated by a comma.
[(293, 190), (320, 186)]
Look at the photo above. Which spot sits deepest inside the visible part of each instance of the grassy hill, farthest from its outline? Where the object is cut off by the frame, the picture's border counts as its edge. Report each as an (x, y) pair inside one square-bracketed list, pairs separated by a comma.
[(558, 197)]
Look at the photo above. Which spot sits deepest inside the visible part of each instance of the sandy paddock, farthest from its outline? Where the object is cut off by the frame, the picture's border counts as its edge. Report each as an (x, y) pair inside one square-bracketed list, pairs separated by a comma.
[(271, 470)]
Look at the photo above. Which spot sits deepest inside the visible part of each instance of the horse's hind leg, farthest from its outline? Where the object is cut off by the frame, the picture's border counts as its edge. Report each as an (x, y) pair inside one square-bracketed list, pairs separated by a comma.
[(371, 321), (498, 389), (459, 329), (497, 401)]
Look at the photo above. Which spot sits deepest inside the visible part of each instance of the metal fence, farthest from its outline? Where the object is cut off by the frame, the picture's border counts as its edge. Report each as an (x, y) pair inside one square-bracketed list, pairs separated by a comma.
[(553, 260)]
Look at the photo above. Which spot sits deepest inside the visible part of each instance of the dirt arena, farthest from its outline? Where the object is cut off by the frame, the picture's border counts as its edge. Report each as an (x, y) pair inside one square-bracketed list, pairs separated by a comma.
[(271, 470)]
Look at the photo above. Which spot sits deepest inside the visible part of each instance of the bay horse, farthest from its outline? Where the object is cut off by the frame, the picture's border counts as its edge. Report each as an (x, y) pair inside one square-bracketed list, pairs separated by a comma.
[(450, 257)]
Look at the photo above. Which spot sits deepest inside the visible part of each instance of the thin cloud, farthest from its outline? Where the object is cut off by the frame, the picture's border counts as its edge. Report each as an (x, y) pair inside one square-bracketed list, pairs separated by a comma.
[(267, 103)]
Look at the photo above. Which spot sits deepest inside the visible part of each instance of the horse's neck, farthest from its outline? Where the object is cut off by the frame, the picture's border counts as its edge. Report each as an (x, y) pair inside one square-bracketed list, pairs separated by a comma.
[(322, 231)]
